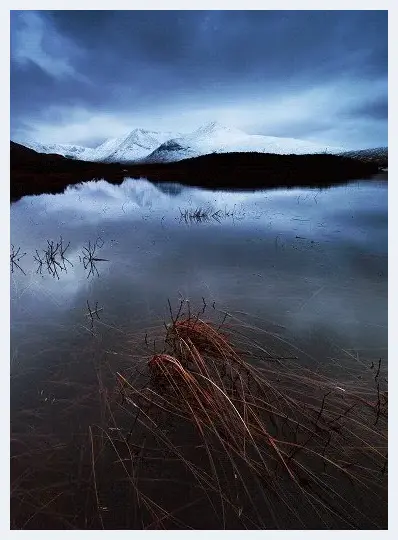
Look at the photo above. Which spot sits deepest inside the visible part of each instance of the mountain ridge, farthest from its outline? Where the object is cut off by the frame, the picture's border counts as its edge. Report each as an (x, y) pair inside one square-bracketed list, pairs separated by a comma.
[(141, 145), (217, 138)]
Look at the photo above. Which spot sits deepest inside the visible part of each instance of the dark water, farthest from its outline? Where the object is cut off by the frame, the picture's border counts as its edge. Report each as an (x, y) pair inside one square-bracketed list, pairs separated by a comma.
[(307, 267)]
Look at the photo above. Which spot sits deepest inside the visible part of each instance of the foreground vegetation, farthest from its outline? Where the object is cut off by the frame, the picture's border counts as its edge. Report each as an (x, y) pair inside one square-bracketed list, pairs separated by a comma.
[(209, 429)]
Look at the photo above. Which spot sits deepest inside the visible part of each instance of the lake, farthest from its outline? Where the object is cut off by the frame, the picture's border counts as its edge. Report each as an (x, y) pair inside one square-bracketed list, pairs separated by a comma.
[(310, 264), (304, 271)]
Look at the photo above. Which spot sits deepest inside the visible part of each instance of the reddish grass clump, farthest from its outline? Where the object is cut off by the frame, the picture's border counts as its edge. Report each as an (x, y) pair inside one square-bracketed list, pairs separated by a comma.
[(284, 424), (192, 332)]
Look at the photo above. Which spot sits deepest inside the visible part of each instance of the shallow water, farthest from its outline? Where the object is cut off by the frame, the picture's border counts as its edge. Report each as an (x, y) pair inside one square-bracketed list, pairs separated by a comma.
[(303, 271)]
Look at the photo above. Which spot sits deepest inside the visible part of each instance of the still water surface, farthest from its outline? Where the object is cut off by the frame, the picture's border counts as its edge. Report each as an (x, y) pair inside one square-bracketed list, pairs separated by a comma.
[(307, 265)]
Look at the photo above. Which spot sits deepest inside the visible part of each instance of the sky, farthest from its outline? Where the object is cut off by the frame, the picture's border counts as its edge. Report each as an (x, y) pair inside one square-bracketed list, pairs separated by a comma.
[(81, 77)]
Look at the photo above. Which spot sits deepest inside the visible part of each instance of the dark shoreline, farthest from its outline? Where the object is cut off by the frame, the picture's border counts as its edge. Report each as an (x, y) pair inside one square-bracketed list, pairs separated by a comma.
[(33, 173)]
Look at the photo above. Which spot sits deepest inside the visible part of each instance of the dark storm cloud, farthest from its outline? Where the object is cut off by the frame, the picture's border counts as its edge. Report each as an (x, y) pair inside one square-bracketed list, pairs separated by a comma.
[(223, 44), (376, 109), (142, 66)]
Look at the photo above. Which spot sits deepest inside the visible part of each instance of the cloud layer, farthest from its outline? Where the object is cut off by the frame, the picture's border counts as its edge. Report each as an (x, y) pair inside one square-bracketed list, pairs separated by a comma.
[(83, 76)]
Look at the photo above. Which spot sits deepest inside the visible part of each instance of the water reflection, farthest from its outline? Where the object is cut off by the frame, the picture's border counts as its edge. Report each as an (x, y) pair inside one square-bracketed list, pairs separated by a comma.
[(15, 258), (307, 265)]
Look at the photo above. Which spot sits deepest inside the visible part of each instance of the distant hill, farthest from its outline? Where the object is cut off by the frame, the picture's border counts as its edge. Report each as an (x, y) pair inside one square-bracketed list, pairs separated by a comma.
[(34, 173), (245, 170), (23, 157), (371, 155)]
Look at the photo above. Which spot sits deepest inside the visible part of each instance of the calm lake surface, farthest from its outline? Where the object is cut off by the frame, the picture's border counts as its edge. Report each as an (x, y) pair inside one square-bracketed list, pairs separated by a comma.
[(306, 265), (302, 272)]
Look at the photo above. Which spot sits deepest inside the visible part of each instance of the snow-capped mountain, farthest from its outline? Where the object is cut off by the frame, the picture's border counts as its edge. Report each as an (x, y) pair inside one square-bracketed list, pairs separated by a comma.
[(141, 145), (67, 150), (131, 147), (216, 138)]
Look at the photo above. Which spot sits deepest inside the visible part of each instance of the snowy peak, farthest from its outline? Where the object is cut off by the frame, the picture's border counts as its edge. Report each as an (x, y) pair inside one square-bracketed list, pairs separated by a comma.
[(215, 128), (216, 138), (134, 145), (145, 139), (67, 150), (215, 135)]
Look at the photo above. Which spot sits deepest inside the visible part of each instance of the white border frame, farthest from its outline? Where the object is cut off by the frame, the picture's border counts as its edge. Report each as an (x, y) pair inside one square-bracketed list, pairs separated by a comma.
[(5, 238)]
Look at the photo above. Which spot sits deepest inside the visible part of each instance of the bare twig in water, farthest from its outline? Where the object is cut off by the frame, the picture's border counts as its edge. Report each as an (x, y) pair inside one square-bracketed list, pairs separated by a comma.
[(378, 370), (15, 257), (92, 312), (40, 262), (54, 258), (89, 258), (201, 215)]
